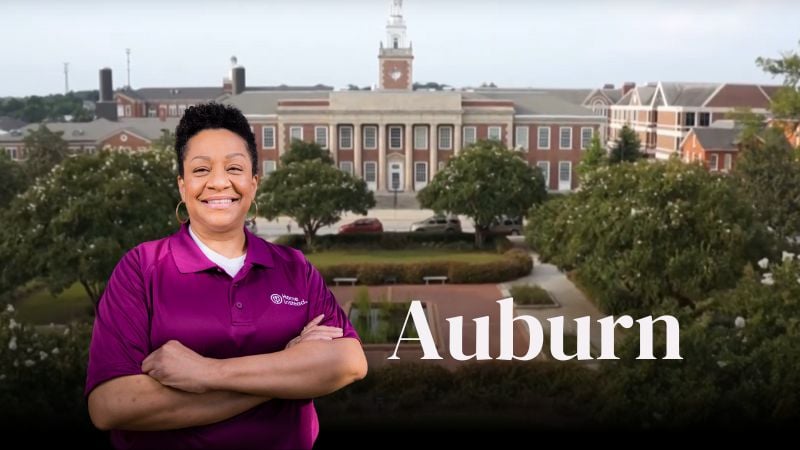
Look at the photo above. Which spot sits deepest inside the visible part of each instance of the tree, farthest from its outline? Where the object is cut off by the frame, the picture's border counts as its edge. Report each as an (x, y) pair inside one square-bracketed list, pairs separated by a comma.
[(485, 182), (627, 148), (768, 173), (648, 234), (45, 149), (305, 151), (12, 179), (75, 222), (314, 194), (595, 156), (785, 103)]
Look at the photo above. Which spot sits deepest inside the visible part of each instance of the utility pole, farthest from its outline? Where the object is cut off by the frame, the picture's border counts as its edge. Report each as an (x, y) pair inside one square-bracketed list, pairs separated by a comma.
[(128, 57), (66, 78)]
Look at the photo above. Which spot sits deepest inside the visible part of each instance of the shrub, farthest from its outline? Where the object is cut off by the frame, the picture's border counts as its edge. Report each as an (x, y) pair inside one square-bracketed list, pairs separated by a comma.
[(530, 295), (393, 241)]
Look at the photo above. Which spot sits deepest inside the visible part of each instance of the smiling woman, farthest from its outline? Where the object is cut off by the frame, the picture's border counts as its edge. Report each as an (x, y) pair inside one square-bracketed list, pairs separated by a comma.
[(213, 337)]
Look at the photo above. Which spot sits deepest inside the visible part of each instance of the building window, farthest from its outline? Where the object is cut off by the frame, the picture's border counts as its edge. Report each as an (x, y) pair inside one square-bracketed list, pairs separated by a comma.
[(470, 136), (181, 110), (420, 137), (677, 143), (370, 137), (346, 138), (565, 138), (346, 166), (12, 152), (445, 137), (151, 112), (586, 137), (295, 133), (544, 166), (370, 172), (544, 138), (713, 163), (395, 138), (321, 136), (705, 119), (688, 119), (441, 166), (420, 172), (268, 136), (521, 138), (90, 149), (128, 111), (269, 167), (564, 172), (173, 110), (728, 162), (494, 133)]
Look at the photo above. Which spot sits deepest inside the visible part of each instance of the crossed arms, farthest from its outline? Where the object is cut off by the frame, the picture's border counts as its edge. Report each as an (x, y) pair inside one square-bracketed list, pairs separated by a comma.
[(180, 388)]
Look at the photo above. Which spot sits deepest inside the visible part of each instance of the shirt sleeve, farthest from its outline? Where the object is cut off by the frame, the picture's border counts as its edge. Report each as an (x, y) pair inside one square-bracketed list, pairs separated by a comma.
[(120, 336), (322, 301)]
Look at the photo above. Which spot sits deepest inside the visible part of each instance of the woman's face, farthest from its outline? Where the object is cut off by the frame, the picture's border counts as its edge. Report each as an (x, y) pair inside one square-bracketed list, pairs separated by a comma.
[(218, 184)]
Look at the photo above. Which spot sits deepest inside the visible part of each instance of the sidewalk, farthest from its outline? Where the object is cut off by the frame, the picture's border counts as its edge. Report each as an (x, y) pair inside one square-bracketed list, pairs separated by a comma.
[(573, 303)]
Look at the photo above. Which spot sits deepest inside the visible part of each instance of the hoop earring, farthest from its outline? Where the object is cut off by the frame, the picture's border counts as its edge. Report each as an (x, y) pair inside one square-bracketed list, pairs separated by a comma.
[(177, 213), (254, 203)]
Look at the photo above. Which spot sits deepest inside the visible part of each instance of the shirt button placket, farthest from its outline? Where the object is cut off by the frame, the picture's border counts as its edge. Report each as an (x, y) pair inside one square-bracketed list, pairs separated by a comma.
[(239, 313)]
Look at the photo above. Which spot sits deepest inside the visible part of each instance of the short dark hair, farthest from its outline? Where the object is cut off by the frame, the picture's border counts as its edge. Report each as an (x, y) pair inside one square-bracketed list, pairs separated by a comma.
[(210, 116)]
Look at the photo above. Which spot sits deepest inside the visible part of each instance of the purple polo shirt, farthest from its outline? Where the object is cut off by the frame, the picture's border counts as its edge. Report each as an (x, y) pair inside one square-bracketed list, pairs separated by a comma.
[(167, 289)]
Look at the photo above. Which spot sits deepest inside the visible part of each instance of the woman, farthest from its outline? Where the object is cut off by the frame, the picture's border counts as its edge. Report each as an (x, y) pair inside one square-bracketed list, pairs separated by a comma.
[(213, 337)]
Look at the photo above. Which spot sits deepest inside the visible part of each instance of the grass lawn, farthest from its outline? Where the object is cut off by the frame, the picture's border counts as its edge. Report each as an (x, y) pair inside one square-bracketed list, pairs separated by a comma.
[(328, 258), (41, 307)]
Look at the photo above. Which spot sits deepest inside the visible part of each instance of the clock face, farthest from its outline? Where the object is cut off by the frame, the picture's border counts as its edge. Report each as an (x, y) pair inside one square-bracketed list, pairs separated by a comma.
[(395, 74)]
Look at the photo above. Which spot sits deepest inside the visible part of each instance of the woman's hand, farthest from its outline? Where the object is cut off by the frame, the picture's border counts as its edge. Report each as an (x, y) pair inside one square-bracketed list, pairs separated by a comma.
[(179, 367), (313, 331)]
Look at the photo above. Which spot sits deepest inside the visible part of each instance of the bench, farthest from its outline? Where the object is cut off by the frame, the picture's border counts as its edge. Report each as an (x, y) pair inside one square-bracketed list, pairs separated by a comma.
[(351, 280), (441, 278)]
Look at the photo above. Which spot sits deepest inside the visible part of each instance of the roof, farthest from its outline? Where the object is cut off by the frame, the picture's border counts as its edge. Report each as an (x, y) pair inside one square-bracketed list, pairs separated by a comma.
[(574, 96), (174, 93), (717, 138), (538, 101), (10, 123), (266, 102), (688, 94), (149, 128)]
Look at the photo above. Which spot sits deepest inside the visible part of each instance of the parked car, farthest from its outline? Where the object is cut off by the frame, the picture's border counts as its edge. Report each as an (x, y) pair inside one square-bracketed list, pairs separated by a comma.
[(506, 225), (366, 225), (438, 224)]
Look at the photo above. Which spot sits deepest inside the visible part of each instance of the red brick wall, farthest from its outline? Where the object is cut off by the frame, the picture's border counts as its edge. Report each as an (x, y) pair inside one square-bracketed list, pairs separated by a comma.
[(405, 69)]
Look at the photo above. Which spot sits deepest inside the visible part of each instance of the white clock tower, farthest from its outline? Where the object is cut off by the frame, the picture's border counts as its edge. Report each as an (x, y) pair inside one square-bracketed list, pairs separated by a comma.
[(396, 56)]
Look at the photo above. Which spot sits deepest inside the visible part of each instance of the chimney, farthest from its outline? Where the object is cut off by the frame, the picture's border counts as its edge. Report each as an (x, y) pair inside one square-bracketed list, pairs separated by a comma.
[(608, 86), (627, 87), (237, 80), (106, 107)]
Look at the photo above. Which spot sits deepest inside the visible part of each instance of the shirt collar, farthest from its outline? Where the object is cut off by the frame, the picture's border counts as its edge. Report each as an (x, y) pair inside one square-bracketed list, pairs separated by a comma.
[(189, 258)]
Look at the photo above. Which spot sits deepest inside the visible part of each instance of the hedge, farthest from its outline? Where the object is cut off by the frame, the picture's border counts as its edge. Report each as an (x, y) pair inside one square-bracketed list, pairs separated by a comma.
[(517, 263), (393, 241)]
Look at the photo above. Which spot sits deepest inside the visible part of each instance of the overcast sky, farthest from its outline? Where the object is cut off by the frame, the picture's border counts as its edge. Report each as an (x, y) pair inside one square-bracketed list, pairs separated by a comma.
[(554, 43)]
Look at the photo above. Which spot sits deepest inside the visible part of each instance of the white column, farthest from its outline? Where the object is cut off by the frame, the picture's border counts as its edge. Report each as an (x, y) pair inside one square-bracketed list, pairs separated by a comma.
[(357, 149), (408, 146), (457, 133), (433, 145), (382, 185), (280, 138), (510, 135), (333, 143)]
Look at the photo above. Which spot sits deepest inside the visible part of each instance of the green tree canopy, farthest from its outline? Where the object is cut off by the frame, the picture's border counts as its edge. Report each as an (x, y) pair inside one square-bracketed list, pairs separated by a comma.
[(75, 222), (45, 149), (12, 179), (595, 156), (768, 173), (305, 151), (627, 147), (313, 193), (786, 102), (646, 234), (54, 107), (486, 181)]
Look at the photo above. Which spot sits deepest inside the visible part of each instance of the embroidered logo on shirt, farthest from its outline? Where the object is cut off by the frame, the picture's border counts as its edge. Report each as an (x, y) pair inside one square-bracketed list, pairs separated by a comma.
[(287, 300)]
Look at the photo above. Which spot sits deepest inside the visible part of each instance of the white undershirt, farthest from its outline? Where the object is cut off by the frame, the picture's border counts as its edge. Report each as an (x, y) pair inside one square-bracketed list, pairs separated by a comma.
[(229, 265)]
